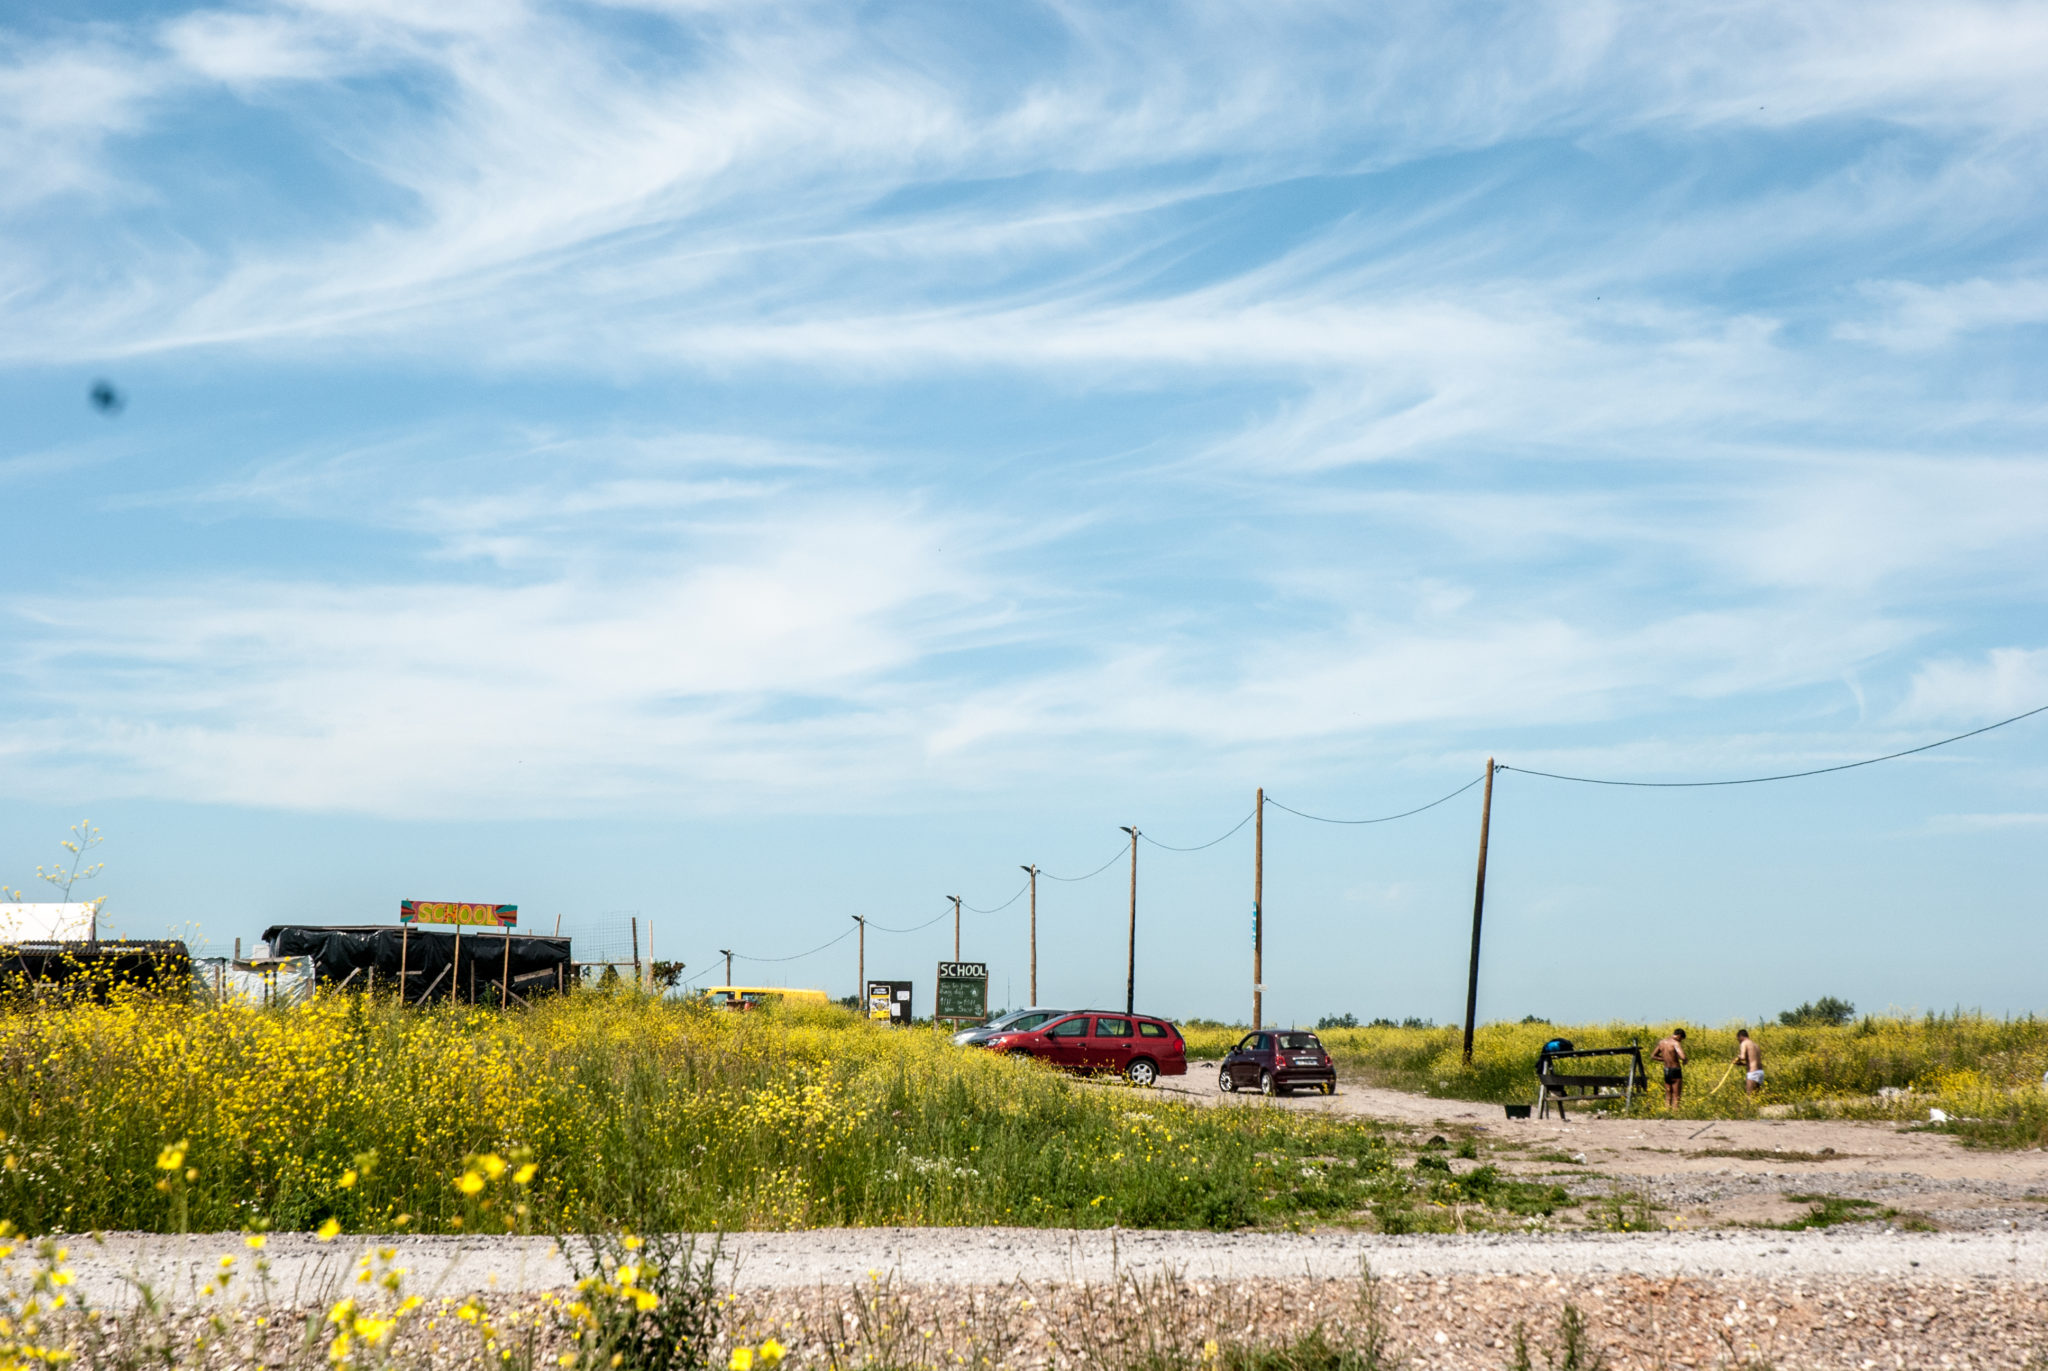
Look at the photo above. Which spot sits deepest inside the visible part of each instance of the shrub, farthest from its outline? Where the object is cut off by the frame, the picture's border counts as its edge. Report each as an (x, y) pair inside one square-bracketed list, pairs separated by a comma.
[(1827, 1010)]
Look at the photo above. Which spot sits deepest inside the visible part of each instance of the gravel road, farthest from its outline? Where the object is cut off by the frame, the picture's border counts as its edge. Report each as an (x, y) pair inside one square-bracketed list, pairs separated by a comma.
[(997, 1256)]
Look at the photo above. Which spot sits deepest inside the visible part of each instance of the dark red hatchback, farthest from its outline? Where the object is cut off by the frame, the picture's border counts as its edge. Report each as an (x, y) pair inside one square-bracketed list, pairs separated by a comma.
[(1135, 1046), (1276, 1062)]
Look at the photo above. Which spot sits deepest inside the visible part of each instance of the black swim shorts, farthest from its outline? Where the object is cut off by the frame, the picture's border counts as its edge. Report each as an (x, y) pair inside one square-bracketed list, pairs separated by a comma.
[(1673, 1075)]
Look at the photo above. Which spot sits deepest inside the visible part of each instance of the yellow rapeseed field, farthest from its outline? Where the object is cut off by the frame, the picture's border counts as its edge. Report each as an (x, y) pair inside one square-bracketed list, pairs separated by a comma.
[(354, 1112), (1986, 1073)]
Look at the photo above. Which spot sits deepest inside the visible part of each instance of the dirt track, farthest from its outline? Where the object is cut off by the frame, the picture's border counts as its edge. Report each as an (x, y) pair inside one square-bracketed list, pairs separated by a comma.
[(1683, 1166)]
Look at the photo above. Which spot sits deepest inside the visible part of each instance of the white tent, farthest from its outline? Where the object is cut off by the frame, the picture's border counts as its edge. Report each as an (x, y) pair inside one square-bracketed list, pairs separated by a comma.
[(47, 923)]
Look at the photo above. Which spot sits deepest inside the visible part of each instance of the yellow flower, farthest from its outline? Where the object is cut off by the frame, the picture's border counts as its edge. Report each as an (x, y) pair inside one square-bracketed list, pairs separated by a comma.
[(255, 1241), (326, 1232), (742, 1359), (470, 1183), (524, 1175), (771, 1353), (1209, 1350), (172, 1158), (348, 1178), (493, 1164)]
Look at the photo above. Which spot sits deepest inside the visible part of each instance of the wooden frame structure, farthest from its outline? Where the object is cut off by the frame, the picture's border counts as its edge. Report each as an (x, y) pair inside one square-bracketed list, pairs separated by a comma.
[(1555, 1087)]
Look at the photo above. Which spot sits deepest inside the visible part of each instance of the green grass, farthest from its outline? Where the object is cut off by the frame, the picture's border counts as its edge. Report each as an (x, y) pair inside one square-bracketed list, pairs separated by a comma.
[(639, 1112), (1825, 1211), (1984, 1072)]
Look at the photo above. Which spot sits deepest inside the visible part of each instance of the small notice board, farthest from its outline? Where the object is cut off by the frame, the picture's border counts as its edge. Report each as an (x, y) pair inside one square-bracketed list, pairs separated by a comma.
[(889, 1001), (963, 992)]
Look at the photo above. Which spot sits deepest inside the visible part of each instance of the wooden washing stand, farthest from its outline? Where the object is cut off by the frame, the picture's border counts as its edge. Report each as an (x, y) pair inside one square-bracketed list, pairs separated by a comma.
[(1555, 1088)]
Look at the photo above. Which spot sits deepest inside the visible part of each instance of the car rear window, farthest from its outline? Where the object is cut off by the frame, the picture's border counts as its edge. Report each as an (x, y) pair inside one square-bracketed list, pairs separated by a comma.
[(1150, 1030), (1068, 1028), (1299, 1042), (1112, 1028)]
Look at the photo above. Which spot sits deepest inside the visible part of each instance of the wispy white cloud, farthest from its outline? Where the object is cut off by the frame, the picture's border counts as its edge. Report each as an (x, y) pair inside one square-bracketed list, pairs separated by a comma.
[(2004, 681)]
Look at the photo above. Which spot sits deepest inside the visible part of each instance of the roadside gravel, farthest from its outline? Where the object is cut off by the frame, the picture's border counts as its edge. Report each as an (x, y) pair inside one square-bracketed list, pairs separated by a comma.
[(302, 1266)]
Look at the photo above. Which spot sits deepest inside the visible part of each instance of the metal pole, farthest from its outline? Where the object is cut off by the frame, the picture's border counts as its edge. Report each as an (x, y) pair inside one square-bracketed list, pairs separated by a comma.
[(1478, 906), (1131, 963), (956, 926), (1258, 909), (1034, 934)]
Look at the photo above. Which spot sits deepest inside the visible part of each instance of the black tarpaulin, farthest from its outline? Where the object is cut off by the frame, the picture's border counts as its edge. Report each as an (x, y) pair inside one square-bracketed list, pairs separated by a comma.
[(99, 968), (538, 965)]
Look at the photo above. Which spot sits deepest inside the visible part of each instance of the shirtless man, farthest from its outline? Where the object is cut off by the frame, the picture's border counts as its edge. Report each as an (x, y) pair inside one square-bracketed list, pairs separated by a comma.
[(1671, 1052), (1750, 1058)]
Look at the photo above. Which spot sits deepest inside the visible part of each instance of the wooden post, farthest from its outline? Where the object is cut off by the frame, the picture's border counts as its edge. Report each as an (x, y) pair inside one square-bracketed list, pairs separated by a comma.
[(1478, 907), (505, 981), (455, 969), (1034, 935), (1258, 909), (1131, 963), (726, 952), (956, 926), (636, 952), (404, 937)]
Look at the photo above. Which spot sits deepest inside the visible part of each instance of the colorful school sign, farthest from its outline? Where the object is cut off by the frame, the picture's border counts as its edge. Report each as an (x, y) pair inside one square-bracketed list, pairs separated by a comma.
[(453, 912)]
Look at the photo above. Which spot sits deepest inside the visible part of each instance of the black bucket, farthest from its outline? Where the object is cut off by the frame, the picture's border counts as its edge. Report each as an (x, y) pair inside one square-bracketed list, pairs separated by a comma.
[(1517, 1111)]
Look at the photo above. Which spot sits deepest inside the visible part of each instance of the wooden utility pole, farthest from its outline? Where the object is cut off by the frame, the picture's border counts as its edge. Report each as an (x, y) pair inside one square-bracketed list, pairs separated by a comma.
[(861, 990), (635, 924), (1034, 934), (1131, 964), (726, 952), (1258, 909), (404, 935), (505, 979), (956, 926), (1478, 908)]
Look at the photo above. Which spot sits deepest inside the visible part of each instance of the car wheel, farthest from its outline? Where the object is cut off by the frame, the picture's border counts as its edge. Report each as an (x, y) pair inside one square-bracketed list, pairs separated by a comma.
[(1267, 1085), (1329, 1087), (1142, 1072), (1023, 1053), (1225, 1082)]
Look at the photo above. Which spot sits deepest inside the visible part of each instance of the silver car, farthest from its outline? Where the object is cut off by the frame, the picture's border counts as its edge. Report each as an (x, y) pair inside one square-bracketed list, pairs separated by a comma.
[(1016, 1021)]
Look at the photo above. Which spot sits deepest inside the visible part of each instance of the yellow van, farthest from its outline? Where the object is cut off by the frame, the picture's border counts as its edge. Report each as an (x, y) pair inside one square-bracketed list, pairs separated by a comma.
[(750, 996)]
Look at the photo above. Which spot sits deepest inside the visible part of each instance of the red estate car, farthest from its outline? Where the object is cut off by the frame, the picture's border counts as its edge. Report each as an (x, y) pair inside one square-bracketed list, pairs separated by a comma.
[(1274, 1063), (1132, 1045)]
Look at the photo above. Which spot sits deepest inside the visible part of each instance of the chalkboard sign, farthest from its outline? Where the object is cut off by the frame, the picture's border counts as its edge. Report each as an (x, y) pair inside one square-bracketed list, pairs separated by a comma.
[(963, 991)]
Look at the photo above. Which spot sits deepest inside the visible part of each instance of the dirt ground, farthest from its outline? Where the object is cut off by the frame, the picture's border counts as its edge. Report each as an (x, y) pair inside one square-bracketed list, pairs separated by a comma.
[(1706, 1174)]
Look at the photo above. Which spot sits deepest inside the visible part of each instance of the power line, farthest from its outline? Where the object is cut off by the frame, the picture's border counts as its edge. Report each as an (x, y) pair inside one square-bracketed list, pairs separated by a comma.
[(1119, 856), (1199, 846), (914, 928), (1785, 776), (1005, 904), (1384, 818), (742, 957)]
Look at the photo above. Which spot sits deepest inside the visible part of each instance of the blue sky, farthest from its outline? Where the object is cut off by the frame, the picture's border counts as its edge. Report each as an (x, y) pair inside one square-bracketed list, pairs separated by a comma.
[(757, 464)]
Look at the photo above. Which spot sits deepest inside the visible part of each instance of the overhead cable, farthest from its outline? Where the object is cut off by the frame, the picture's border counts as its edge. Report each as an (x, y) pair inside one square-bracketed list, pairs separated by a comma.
[(1199, 846), (972, 909), (1784, 776), (742, 957), (883, 928), (1096, 872), (1384, 818)]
